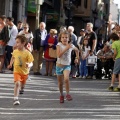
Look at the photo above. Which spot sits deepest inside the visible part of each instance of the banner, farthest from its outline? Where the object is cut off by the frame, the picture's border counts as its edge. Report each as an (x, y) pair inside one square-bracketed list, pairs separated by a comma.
[(31, 6)]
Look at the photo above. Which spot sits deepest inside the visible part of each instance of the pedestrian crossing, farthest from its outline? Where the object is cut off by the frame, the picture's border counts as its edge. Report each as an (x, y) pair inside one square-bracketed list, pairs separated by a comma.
[(91, 100)]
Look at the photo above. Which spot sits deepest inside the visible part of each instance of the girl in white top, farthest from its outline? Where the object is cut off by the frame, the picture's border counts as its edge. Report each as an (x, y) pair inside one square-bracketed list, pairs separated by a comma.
[(84, 51), (63, 68)]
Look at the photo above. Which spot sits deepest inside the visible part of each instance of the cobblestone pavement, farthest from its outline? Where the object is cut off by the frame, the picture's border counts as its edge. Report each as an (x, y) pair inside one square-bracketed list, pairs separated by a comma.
[(91, 100)]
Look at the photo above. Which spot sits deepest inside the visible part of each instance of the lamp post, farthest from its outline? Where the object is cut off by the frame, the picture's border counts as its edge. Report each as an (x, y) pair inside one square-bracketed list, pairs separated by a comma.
[(70, 21), (118, 16), (38, 3)]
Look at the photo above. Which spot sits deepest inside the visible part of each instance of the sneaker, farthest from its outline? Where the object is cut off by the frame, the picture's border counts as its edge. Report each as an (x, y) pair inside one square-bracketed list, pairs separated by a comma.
[(8, 72), (73, 76), (110, 88), (61, 99), (116, 89), (77, 76), (37, 73), (16, 102), (83, 77), (50, 74), (21, 91), (46, 74), (80, 77), (68, 97), (29, 79), (89, 77)]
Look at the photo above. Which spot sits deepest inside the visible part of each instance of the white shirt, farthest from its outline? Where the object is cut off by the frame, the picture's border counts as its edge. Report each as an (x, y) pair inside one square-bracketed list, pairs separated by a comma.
[(28, 35), (85, 52), (12, 34), (43, 36), (65, 59)]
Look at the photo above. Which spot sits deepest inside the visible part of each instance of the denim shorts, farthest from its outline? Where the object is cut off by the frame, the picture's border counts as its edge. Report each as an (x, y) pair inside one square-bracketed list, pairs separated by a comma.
[(60, 70), (116, 69)]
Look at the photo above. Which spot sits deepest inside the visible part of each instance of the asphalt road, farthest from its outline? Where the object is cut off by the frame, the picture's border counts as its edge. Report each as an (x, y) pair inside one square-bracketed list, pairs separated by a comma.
[(91, 100)]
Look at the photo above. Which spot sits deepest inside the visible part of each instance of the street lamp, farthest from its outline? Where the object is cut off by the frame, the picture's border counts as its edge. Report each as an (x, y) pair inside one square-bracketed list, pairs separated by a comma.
[(38, 3)]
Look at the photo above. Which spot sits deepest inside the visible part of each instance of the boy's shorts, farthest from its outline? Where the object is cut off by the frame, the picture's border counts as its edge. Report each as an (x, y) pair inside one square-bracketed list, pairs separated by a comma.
[(20, 77), (60, 70), (116, 69)]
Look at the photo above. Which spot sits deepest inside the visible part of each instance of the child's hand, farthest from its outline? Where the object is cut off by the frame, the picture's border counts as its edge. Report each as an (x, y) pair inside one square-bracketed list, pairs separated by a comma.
[(76, 61), (27, 65), (9, 66), (69, 46)]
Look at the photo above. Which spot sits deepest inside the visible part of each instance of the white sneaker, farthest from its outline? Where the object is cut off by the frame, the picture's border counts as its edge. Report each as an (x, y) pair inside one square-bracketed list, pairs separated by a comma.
[(83, 77), (80, 76), (94, 77), (8, 71), (16, 102), (29, 79)]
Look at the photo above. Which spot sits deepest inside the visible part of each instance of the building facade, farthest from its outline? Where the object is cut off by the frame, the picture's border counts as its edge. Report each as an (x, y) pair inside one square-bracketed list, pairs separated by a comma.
[(49, 13), (79, 12), (13, 8)]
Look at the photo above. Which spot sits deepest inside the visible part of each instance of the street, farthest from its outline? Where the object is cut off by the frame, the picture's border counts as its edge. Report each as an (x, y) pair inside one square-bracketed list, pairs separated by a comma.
[(40, 101)]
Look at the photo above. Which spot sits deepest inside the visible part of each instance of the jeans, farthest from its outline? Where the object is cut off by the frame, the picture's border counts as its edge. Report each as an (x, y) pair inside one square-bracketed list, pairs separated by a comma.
[(83, 68)]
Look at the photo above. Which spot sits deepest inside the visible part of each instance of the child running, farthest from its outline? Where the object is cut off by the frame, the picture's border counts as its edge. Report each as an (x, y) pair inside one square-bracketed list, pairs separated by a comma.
[(84, 51), (22, 60), (116, 57), (63, 68)]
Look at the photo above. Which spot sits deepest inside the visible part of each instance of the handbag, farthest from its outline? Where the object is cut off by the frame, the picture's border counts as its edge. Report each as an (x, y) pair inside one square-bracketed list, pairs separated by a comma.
[(52, 53), (2, 47), (91, 60)]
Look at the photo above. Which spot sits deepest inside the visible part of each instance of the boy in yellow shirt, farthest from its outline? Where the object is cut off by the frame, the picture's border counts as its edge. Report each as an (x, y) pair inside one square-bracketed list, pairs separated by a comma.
[(22, 60)]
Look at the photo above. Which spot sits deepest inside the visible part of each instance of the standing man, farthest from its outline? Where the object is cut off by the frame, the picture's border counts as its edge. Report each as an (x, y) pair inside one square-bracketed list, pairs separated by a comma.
[(38, 47), (12, 35), (19, 26), (92, 42), (73, 55)]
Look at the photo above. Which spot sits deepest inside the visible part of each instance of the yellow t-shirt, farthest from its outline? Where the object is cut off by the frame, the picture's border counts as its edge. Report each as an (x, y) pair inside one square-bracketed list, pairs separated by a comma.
[(20, 60)]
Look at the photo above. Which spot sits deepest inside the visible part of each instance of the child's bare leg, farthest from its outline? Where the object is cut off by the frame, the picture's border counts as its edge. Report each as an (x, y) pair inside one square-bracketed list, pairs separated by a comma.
[(22, 86), (60, 84), (113, 79), (66, 79), (16, 89)]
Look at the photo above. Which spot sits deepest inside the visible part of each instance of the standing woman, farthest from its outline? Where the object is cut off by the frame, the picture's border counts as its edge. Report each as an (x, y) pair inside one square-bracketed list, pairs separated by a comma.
[(28, 34), (4, 37), (50, 42)]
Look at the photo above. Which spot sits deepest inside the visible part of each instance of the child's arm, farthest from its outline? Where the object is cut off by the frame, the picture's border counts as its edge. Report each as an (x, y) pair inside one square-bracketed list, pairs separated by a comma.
[(59, 53), (11, 63), (77, 54), (115, 54)]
